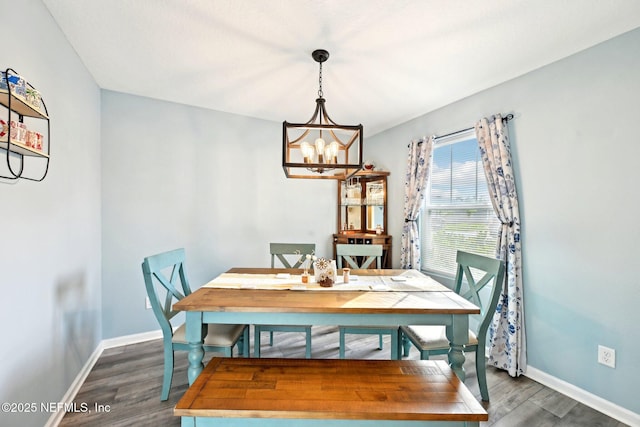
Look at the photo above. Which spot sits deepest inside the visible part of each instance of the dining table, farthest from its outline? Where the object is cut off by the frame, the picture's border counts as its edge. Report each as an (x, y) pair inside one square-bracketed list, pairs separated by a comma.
[(372, 297)]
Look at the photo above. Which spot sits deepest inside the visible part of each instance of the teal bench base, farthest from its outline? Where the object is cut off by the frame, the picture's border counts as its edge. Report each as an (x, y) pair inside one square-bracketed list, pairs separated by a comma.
[(292, 422)]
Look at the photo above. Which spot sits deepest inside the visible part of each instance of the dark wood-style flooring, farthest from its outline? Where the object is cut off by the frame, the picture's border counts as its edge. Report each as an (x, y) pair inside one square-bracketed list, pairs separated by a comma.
[(126, 382)]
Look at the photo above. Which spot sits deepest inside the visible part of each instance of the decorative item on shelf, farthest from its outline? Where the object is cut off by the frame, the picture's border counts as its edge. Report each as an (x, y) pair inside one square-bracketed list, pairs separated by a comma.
[(336, 152), (4, 85), (369, 165), (378, 229), (34, 140), (33, 98), (4, 129), (14, 82), (325, 272), (18, 131)]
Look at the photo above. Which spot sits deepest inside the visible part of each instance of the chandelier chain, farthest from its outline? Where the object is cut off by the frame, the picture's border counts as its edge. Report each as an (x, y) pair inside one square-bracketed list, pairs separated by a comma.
[(320, 82)]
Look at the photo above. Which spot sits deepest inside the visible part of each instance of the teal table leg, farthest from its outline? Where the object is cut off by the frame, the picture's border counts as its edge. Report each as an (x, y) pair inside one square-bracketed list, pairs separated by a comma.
[(395, 352), (256, 342), (458, 336), (194, 335), (400, 350), (308, 342)]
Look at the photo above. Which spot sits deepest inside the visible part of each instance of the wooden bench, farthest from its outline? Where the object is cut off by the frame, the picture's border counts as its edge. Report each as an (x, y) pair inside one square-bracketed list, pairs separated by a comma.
[(327, 392)]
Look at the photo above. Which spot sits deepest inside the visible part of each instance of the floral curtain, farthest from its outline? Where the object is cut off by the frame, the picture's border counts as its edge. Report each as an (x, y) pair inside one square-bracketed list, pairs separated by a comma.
[(506, 334), (415, 183)]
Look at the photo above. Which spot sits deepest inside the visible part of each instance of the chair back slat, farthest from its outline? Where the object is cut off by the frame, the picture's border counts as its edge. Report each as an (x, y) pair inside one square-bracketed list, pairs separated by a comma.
[(359, 256), (477, 273), (290, 255), (166, 283)]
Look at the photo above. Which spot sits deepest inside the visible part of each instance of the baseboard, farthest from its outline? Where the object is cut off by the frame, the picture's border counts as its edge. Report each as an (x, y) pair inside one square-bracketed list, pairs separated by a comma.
[(599, 404), (131, 339), (56, 417)]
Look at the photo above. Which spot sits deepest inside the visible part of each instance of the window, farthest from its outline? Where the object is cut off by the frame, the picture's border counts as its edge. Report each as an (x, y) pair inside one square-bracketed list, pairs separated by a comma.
[(457, 214)]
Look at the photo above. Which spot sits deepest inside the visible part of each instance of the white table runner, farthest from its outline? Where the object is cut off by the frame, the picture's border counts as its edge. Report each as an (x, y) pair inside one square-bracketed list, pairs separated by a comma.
[(411, 280)]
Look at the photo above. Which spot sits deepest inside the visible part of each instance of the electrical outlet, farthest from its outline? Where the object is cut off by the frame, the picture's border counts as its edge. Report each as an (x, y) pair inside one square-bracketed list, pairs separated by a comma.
[(607, 356), (147, 303)]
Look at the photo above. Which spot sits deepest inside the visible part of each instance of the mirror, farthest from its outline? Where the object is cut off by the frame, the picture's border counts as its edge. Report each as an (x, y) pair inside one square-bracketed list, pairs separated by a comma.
[(375, 205), (352, 217), (375, 218)]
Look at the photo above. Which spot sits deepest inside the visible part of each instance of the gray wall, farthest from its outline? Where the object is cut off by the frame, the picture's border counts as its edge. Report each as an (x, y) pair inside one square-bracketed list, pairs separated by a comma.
[(211, 182), (50, 239), (575, 149)]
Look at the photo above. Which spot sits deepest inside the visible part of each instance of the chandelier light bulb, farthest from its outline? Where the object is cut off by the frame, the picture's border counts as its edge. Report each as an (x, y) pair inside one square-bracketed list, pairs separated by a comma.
[(307, 151), (332, 152), (320, 144)]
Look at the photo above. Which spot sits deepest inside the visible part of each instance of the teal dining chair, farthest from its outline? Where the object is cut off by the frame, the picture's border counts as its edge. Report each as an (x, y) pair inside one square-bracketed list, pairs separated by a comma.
[(361, 256), (483, 280), (166, 282), (290, 255)]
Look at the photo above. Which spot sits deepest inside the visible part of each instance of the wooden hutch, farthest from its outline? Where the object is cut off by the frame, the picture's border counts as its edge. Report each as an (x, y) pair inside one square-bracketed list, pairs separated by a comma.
[(362, 212)]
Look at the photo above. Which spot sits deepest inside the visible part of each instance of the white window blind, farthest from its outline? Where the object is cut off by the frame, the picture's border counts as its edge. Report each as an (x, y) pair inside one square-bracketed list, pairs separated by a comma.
[(457, 214)]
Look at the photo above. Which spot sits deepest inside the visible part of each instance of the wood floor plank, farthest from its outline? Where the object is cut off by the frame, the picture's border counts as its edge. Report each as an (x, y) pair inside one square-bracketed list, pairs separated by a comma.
[(527, 414), (581, 415), (128, 380), (556, 403)]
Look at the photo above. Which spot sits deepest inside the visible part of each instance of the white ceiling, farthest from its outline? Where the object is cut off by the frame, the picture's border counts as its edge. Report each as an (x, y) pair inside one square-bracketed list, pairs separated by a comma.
[(391, 60)]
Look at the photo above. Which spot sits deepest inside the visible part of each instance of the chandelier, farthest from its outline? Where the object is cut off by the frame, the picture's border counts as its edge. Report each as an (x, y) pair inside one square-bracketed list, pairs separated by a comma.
[(321, 148)]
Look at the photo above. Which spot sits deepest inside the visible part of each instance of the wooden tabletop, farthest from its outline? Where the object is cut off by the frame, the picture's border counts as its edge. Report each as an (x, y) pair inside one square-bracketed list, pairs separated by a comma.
[(330, 389), (327, 302)]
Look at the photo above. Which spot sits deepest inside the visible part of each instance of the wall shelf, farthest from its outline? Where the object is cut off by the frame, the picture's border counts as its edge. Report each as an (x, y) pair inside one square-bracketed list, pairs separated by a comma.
[(17, 140), (20, 148), (20, 106)]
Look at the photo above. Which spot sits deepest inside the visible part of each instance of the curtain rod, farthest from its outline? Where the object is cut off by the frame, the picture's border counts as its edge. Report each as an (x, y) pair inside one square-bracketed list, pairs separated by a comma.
[(504, 119)]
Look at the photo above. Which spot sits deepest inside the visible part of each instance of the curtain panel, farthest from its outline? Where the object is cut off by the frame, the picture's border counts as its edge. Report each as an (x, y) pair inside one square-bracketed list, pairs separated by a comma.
[(507, 333), (415, 183)]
